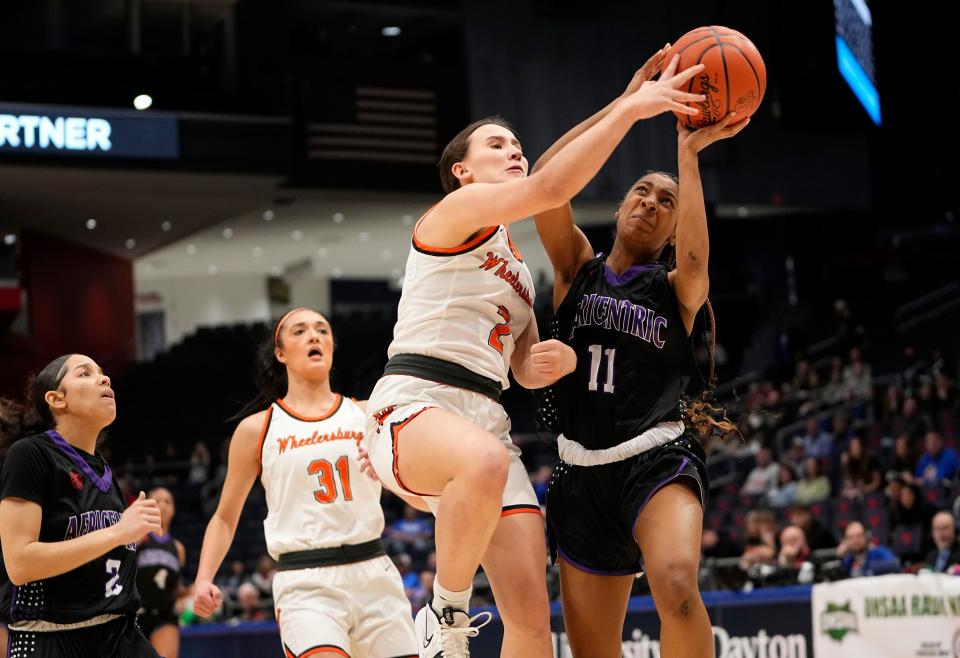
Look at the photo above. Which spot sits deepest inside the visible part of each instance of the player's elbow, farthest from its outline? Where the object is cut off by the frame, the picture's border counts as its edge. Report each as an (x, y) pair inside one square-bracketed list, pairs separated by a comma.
[(550, 190), (17, 572)]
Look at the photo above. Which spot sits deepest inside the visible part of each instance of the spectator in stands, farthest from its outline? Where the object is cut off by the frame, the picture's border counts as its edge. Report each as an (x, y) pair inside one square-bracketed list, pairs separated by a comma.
[(760, 539), (940, 364), (913, 366), (834, 391), (946, 391), (801, 375), (816, 442), (818, 536), (412, 532), (861, 470), (424, 592), (911, 510), (937, 463), (794, 550), (814, 486), (841, 430), (890, 406), (230, 582), (410, 578), (762, 477), (945, 556), (795, 455), (904, 462), (912, 420), (860, 558), (716, 543), (199, 463), (857, 378), (928, 402), (262, 578), (784, 492), (248, 604)]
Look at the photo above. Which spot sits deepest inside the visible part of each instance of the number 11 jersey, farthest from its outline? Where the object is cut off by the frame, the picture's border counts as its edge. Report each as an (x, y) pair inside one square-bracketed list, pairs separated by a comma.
[(316, 495), (634, 357)]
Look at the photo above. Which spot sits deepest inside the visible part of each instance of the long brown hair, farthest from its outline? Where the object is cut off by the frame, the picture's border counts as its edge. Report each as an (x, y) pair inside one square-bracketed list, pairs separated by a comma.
[(456, 150)]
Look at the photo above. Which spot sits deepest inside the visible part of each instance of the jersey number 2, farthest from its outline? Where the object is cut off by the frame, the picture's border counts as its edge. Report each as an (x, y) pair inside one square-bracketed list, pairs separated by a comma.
[(112, 588), (596, 356), (327, 493), (495, 340)]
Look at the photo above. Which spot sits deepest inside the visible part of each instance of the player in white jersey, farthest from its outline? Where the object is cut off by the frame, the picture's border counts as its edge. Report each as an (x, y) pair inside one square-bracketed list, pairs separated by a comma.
[(336, 593), (435, 427)]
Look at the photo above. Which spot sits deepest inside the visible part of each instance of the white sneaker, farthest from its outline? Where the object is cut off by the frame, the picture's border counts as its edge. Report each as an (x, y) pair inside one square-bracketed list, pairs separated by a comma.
[(446, 636)]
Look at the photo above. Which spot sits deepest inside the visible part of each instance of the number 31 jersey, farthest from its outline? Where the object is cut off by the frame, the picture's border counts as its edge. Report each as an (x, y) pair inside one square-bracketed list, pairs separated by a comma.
[(316, 495)]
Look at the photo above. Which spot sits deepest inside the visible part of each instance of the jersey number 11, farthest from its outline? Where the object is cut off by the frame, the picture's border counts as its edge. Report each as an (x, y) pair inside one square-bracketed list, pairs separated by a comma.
[(596, 357)]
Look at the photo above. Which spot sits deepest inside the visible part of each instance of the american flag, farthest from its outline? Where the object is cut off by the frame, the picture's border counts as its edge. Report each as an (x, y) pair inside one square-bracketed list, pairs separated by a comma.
[(390, 125)]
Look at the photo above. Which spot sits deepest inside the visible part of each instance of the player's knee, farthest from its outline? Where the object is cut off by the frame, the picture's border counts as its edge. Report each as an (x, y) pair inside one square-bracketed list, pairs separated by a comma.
[(675, 588), (489, 465)]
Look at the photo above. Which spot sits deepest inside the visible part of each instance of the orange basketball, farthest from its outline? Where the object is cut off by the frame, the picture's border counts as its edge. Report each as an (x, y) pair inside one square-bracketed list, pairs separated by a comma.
[(734, 79)]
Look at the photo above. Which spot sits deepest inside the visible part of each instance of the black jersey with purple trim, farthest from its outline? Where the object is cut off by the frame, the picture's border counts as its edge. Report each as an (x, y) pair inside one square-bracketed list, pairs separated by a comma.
[(634, 357), (78, 495), (158, 571)]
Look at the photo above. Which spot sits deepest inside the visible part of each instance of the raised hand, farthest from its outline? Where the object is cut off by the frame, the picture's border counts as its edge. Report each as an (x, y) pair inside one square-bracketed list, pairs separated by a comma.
[(553, 359), (665, 94), (695, 141), (646, 72), (141, 517), (206, 598)]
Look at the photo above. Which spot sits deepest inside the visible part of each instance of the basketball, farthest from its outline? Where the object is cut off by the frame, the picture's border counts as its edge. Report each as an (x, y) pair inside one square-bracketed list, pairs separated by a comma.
[(734, 79)]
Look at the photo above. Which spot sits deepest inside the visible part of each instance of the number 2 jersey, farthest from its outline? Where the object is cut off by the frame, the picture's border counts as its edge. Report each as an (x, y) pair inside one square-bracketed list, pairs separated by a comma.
[(634, 357), (465, 304), (78, 495), (316, 495)]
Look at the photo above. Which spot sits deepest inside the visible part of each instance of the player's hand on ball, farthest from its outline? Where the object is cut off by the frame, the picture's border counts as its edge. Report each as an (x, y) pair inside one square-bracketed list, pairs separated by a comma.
[(695, 141), (553, 359), (366, 466), (206, 598), (649, 69), (141, 517), (665, 94)]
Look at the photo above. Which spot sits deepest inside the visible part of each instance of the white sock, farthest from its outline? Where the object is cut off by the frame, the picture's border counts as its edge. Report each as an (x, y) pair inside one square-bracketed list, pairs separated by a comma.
[(444, 598)]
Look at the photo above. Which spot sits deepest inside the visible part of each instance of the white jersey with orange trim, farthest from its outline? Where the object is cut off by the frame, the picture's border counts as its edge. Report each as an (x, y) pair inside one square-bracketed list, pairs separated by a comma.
[(316, 495), (465, 304)]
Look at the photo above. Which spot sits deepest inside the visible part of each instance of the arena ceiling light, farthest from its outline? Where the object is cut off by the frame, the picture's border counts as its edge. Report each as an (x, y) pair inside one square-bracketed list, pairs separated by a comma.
[(143, 102), (390, 31)]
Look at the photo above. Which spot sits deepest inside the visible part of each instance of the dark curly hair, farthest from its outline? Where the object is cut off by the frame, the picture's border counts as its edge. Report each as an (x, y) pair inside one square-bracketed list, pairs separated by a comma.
[(21, 419)]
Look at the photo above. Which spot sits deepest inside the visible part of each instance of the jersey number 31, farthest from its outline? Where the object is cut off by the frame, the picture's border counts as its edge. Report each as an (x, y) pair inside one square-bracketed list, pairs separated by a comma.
[(327, 493)]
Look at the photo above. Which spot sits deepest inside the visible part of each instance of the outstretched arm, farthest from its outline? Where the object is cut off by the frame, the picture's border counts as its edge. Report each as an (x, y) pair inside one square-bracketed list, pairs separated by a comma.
[(565, 244), (467, 210), (690, 280)]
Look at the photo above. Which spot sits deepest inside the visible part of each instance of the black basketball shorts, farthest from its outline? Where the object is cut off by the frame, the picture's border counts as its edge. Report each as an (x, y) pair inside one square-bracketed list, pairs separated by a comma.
[(119, 638), (592, 510)]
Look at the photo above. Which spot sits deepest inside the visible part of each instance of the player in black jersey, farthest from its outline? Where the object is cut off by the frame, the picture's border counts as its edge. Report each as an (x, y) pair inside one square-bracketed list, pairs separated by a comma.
[(69, 558), (160, 560), (631, 481)]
